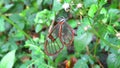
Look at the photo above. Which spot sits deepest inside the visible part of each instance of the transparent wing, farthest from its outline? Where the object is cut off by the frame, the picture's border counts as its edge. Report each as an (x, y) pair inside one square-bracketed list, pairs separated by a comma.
[(53, 44), (66, 34)]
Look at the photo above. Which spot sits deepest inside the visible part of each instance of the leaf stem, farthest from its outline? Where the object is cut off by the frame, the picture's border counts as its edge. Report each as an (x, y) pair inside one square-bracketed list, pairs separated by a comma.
[(97, 34), (11, 22)]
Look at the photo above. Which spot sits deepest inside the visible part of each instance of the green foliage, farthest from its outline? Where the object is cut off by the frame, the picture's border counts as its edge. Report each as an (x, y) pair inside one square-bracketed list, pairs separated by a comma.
[(113, 61), (89, 3), (81, 64), (92, 10), (72, 23), (2, 24), (56, 6), (82, 41), (43, 18), (8, 60), (24, 26)]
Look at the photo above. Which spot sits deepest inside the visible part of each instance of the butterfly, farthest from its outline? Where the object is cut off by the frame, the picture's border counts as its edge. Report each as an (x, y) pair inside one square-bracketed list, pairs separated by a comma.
[(60, 35)]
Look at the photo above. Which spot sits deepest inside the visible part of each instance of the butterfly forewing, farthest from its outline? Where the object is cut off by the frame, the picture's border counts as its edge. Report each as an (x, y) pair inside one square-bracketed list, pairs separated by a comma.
[(53, 44), (66, 34)]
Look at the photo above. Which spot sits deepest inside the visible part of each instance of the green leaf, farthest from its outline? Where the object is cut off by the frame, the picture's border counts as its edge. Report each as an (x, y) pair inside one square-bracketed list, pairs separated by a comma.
[(103, 11), (56, 6), (88, 3), (38, 28), (68, 1), (6, 8), (44, 17), (39, 2), (113, 11), (92, 10), (61, 56), (103, 15), (42, 37), (2, 24), (25, 64), (102, 2), (114, 3), (96, 66), (81, 64), (112, 40), (84, 23), (8, 60), (111, 29), (47, 2), (18, 36), (29, 15), (17, 8), (73, 23), (51, 16), (80, 42), (4, 48), (18, 20), (80, 30), (1, 3), (113, 15), (101, 28), (113, 61), (87, 58)]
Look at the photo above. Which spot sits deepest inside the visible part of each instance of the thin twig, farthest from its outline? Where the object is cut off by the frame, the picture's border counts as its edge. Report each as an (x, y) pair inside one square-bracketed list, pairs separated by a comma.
[(99, 62), (87, 49), (51, 26)]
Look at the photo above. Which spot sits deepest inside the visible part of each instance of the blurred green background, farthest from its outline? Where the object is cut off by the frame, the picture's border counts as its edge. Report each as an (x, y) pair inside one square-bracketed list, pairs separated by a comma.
[(24, 26)]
